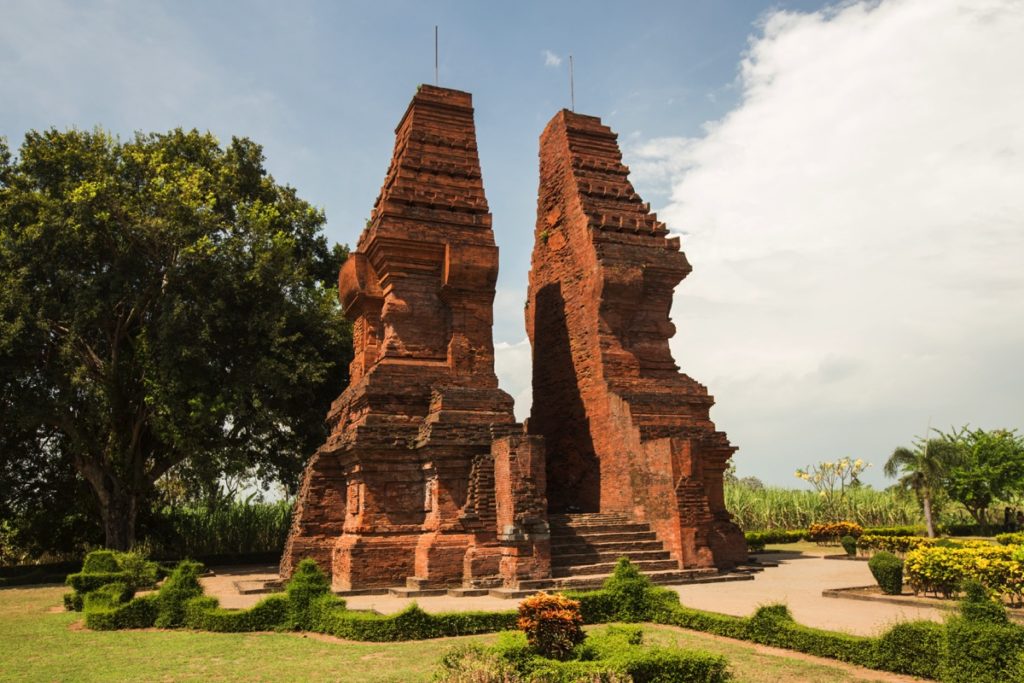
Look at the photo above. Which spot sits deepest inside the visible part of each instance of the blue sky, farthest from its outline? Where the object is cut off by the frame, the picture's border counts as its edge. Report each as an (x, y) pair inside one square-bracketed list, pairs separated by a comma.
[(846, 177)]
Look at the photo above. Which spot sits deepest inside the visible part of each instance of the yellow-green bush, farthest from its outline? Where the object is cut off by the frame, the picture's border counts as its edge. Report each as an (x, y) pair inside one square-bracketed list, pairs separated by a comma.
[(831, 532), (941, 570)]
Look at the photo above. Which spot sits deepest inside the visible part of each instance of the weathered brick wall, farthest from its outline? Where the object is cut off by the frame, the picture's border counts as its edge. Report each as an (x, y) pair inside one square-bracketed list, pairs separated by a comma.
[(385, 499), (625, 430), (521, 507)]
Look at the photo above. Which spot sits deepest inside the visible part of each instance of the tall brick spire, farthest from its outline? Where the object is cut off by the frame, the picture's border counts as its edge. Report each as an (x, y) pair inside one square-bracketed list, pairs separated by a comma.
[(625, 430), (389, 497)]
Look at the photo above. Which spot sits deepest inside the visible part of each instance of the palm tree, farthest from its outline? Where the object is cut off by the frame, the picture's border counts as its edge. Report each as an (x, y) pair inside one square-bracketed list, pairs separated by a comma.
[(922, 469)]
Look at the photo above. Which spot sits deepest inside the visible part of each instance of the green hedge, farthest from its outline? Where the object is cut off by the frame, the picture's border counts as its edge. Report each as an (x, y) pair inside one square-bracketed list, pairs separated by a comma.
[(103, 567), (913, 647), (86, 583), (268, 614), (328, 615), (756, 540), (977, 645), (137, 613)]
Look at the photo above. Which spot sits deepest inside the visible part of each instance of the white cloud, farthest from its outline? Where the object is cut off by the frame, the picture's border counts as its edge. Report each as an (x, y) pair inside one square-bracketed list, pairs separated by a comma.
[(512, 363), (856, 227), (551, 59)]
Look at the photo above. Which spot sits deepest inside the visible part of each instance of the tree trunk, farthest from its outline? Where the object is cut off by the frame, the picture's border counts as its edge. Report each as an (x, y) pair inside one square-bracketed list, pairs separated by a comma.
[(119, 510), (927, 500)]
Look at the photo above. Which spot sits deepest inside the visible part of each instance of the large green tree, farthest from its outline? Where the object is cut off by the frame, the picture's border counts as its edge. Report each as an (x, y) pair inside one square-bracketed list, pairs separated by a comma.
[(163, 303), (989, 466)]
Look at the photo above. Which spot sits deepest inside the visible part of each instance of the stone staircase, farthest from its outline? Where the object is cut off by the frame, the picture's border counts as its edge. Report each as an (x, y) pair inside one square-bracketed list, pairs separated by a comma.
[(586, 546), (584, 550)]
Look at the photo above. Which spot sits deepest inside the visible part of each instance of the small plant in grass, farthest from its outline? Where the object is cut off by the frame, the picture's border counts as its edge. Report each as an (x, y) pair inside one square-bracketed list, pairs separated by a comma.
[(552, 623), (888, 572), (849, 544)]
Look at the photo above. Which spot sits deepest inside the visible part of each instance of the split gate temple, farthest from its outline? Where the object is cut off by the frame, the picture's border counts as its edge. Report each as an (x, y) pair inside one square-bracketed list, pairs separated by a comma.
[(426, 481)]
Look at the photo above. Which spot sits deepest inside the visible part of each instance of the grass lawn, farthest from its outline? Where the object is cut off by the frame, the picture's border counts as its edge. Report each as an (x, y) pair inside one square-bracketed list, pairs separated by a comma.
[(38, 643)]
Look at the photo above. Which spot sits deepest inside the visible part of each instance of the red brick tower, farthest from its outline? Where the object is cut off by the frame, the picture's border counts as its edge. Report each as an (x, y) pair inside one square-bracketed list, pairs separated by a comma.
[(625, 431), (404, 487)]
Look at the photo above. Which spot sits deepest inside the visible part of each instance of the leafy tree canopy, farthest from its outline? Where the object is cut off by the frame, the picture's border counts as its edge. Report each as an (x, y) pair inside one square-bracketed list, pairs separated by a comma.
[(989, 466), (163, 303)]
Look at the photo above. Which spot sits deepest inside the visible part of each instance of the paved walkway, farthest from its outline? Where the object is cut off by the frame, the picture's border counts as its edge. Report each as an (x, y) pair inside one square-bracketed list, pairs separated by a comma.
[(797, 581)]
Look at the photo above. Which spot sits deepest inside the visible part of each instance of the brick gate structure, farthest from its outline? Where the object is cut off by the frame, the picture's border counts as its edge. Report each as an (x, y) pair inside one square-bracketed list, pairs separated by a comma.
[(625, 431), (426, 481), (406, 491)]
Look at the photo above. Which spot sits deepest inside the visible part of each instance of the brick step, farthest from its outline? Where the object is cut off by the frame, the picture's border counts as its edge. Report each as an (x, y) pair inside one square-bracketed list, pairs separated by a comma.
[(589, 556), (621, 547), (662, 577), (606, 568), (597, 527), (589, 518), (603, 537)]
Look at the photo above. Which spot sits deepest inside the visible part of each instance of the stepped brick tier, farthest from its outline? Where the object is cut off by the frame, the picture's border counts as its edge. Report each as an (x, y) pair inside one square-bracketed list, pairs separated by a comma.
[(424, 462), (625, 431)]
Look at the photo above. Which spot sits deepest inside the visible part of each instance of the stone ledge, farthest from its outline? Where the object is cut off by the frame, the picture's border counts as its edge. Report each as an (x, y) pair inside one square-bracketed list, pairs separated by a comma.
[(873, 594)]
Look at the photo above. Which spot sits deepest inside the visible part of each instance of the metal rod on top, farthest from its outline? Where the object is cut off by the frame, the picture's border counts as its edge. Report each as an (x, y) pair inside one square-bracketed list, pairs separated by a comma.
[(572, 85)]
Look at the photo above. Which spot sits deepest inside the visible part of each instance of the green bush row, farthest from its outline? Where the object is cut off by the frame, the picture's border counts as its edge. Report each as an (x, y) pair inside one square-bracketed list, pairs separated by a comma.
[(992, 651), (756, 540)]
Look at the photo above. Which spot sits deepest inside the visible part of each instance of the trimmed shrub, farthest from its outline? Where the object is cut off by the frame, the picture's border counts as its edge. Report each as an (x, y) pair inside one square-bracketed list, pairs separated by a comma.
[(328, 615), (270, 613), (136, 613), (552, 623), (73, 601), (106, 597), (978, 606), (888, 572), (100, 562), (913, 648), (756, 540), (982, 652), (774, 625), (893, 531), (898, 545), (180, 587), (86, 583), (833, 531), (596, 606), (707, 622), (307, 584), (474, 663), (138, 570), (849, 544), (103, 567), (941, 570)]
